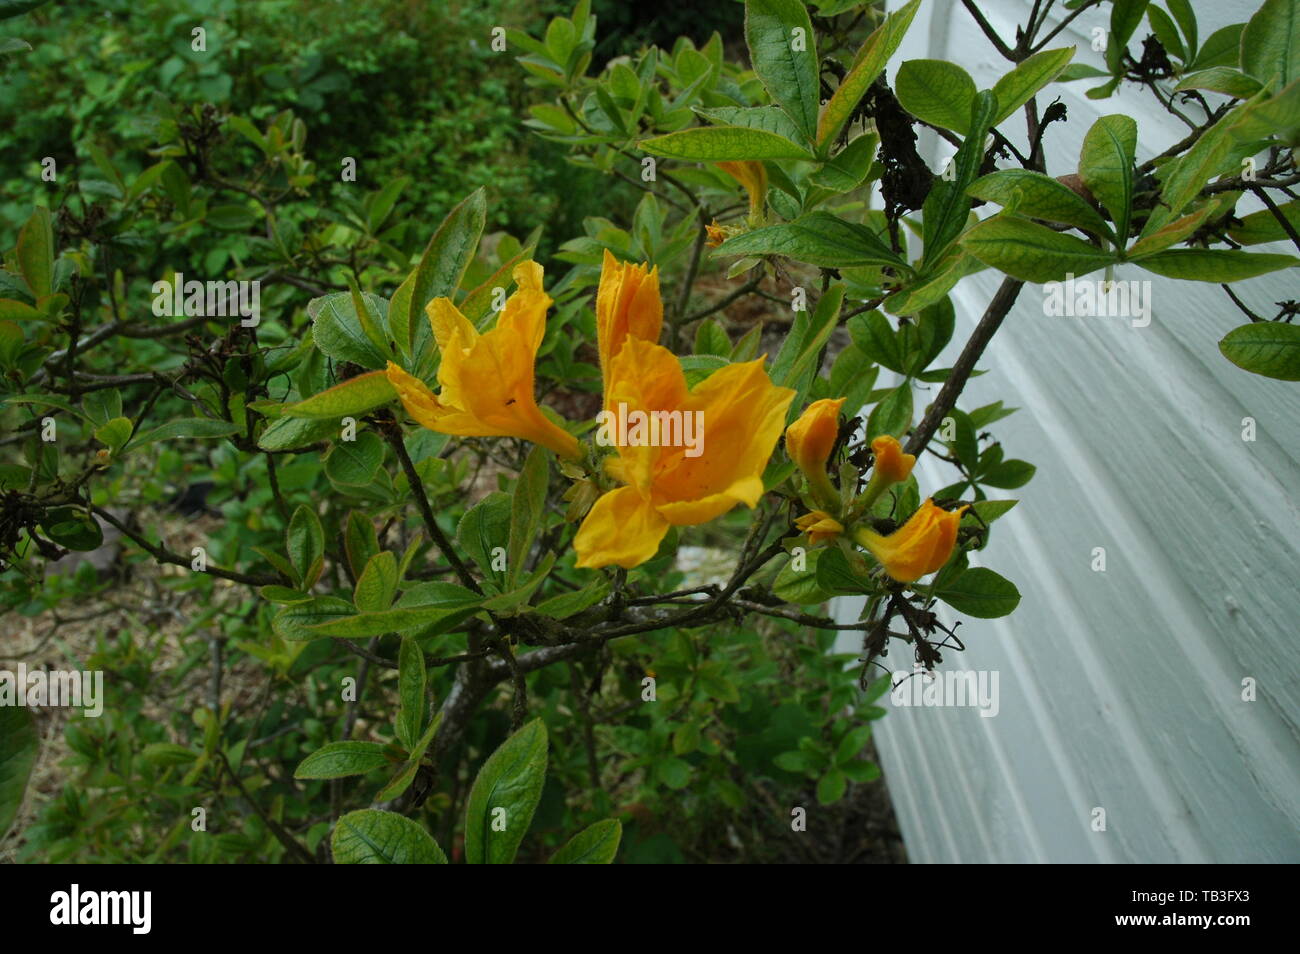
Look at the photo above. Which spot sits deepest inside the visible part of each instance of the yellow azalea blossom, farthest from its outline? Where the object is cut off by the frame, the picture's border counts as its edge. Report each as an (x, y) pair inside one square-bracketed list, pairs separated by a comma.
[(891, 464), (753, 176), (742, 414), (627, 305), (809, 442), (920, 546), (486, 380), (717, 234), (820, 526)]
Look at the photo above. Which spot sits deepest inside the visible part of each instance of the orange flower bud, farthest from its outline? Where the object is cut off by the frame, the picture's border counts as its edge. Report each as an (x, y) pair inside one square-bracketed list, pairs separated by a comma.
[(922, 545), (809, 442), (892, 465)]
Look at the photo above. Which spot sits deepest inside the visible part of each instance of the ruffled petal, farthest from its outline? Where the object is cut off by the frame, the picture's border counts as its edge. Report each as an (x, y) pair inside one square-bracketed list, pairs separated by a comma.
[(747, 490), (621, 529), (743, 416)]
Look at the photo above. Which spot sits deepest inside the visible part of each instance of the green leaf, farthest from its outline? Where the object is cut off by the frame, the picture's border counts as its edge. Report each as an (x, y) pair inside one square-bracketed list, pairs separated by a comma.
[(342, 759), (1032, 252), (305, 544), (441, 268), (597, 845), (867, 65), (1125, 17), (938, 92), (411, 678), (1213, 264), (73, 528), (355, 463), (1263, 226), (289, 433), (231, 218), (11, 310), (784, 55), (485, 528), (947, 206), (1182, 11), (340, 331), (1182, 179), (18, 747), (1221, 79), (800, 586), (293, 623), (1270, 43), (187, 427), (848, 168), (853, 742), (353, 397), (893, 415), (836, 575), (35, 253), (1008, 474), (1270, 348), (1030, 75), (1221, 48), (371, 837), (570, 603), (981, 593), (831, 787), (673, 772), (527, 512), (1106, 167), (399, 619), (377, 584), (1039, 196), (818, 238), (1163, 26), (504, 797), (721, 143), (115, 433), (801, 349), (772, 119), (166, 753)]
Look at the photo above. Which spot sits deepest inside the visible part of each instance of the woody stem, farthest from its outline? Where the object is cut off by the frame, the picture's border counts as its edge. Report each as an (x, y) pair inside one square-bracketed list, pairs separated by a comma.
[(988, 325)]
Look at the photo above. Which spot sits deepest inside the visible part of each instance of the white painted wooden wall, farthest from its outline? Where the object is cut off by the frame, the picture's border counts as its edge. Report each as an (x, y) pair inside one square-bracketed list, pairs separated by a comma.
[(1120, 689)]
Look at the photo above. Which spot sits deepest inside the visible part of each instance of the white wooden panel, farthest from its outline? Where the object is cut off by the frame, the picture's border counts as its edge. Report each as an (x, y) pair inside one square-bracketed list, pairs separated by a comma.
[(1122, 689)]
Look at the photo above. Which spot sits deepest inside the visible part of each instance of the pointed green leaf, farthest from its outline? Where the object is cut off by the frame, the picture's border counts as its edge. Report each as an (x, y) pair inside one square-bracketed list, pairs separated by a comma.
[(1032, 252), (722, 143), (371, 837), (1106, 167), (504, 796), (784, 55), (1270, 348), (597, 845), (868, 64)]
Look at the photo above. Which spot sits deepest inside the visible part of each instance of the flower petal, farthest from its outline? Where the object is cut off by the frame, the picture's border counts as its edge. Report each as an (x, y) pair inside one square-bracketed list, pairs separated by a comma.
[(621, 529), (747, 490), (627, 305)]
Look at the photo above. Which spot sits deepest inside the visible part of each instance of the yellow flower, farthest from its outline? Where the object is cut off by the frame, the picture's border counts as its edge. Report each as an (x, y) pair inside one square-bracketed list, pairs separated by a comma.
[(487, 380), (920, 546), (739, 411), (809, 442), (627, 304), (820, 526), (892, 465), (753, 176), (717, 234)]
